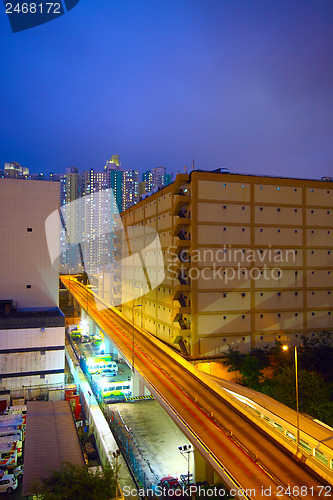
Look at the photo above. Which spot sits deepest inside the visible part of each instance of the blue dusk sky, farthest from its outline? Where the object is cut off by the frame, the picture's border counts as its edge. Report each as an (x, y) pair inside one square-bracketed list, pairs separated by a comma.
[(242, 84)]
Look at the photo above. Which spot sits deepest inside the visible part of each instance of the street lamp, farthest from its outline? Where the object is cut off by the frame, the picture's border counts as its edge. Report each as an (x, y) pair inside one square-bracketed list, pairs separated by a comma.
[(285, 348), (185, 451), (134, 305)]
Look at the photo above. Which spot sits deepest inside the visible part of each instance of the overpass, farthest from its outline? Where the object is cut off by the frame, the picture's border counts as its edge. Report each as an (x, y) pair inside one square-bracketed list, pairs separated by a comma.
[(247, 459)]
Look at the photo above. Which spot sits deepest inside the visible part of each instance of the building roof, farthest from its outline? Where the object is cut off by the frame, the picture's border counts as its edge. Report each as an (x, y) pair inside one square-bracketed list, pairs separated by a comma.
[(51, 439), (32, 318)]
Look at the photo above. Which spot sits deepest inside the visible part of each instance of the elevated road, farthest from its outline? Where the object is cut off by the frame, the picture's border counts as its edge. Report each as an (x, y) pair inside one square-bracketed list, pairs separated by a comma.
[(247, 459)]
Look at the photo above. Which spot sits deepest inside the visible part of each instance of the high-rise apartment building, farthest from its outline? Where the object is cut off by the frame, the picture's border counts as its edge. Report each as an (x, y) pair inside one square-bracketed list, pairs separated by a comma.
[(13, 170), (115, 160), (96, 244), (160, 178), (130, 188), (54, 177), (70, 190), (32, 334), (147, 177), (248, 261), (114, 180)]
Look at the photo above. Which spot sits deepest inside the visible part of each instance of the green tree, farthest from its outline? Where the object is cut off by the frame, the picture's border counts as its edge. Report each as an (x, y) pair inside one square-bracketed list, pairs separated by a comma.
[(79, 483), (262, 354), (251, 372), (233, 359), (316, 354), (281, 358), (313, 392)]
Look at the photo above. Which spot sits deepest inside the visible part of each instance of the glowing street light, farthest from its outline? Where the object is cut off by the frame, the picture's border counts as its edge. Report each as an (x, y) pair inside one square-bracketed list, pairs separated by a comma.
[(185, 451), (285, 348)]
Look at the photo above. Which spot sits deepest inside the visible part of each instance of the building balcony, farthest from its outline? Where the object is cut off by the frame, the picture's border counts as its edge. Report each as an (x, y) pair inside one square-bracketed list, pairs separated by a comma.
[(179, 201), (184, 324), (179, 181), (184, 213), (184, 310), (184, 280), (179, 223), (181, 244), (183, 301), (179, 289)]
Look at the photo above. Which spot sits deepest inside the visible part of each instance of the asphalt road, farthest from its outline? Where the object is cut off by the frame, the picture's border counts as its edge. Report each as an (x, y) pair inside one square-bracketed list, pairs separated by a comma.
[(193, 402)]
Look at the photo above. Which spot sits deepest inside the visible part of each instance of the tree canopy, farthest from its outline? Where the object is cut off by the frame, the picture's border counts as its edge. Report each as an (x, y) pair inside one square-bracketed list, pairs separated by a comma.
[(315, 373), (79, 482)]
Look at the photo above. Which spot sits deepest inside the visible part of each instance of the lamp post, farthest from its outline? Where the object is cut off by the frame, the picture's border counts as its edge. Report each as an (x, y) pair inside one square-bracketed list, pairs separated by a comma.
[(134, 305), (185, 451), (285, 348)]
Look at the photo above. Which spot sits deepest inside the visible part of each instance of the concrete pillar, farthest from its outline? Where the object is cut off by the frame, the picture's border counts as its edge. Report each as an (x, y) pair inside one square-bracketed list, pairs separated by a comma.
[(203, 471), (70, 299), (92, 327), (77, 306), (138, 387)]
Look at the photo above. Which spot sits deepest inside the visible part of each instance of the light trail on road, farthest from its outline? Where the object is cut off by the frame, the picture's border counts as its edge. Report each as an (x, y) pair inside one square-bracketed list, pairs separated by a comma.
[(192, 403)]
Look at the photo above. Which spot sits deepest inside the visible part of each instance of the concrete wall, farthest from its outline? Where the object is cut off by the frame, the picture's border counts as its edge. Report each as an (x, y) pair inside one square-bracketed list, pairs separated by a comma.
[(24, 256), (30, 357)]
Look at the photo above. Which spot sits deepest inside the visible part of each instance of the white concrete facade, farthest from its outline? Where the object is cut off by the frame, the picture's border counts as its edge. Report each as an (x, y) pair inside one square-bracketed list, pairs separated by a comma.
[(32, 333), (24, 256)]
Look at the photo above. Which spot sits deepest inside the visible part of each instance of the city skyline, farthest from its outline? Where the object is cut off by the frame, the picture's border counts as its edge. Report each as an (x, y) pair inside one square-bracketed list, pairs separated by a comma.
[(235, 85)]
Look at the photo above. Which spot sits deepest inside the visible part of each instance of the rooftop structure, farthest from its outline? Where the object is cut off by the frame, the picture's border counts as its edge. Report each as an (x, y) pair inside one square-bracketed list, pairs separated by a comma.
[(51, 439)]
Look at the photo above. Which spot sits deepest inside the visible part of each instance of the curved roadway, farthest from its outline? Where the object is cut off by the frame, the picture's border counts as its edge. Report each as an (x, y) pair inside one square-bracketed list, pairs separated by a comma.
[(246, 459)]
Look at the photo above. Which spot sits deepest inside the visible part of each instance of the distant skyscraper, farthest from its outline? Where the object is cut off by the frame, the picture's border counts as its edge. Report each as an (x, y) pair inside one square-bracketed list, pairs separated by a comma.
[(13, 170), (147, 177), (114, 179), (154, 180), (160, 178), (115, 159), (167, 179), (69, 191), (143, 188), (54, 177), (130, 188)]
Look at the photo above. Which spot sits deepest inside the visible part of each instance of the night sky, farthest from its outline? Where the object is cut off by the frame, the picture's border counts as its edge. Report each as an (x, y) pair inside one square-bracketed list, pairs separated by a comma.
[(242, 84)]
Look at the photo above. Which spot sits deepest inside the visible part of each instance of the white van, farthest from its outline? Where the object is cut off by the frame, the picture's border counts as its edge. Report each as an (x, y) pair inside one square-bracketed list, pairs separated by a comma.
[(8, 483), (110, 369)]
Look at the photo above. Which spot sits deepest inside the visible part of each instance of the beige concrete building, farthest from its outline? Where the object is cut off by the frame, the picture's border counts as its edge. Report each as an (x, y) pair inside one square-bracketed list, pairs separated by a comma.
[(32, 328), (248, 260)]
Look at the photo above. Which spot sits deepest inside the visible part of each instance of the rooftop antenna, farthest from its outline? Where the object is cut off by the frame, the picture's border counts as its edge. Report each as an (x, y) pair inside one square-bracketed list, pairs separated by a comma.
[(193, 164), (185, 168)]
